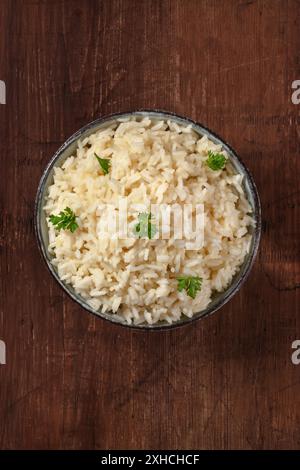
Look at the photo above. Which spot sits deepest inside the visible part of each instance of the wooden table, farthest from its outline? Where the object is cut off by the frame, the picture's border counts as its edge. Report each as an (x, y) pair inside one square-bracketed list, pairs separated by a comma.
[(73, 380)]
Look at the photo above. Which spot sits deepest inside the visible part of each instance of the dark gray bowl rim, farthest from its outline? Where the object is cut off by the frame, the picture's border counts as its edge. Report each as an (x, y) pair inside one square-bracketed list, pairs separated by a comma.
[(238, 279)]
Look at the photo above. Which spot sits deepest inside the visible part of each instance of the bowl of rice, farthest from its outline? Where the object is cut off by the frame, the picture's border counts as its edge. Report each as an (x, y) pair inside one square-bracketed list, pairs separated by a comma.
[(148, 219)]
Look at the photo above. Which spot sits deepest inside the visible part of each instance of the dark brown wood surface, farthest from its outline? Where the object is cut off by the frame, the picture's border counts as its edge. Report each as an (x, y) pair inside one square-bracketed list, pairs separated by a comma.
[(75, 381)]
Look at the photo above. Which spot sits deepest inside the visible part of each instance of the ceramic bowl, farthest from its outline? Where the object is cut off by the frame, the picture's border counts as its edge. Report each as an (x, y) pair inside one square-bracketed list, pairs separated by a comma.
[(69, 147)]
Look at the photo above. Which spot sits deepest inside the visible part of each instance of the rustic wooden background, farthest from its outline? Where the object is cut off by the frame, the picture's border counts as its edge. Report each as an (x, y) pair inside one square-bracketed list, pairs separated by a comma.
[(74, 381)]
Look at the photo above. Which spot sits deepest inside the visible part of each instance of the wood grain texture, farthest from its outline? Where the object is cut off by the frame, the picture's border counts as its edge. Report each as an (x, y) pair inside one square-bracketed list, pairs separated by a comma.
[(73, 381)]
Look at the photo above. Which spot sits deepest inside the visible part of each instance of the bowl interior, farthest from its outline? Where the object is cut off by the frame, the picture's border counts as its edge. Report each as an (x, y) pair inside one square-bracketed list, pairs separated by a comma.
[(69, 148)]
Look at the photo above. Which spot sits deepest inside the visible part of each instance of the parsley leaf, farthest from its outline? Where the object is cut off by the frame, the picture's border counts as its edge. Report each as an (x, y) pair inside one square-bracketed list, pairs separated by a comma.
[(215, 161), (66, 220), (104, 163), (190, 283), (145, 227)]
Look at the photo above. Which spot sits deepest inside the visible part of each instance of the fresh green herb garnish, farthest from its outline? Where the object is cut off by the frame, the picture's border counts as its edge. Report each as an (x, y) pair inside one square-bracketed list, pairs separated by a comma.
[(190, 283), (66, 220), (104, 163), (145, 227), (215, 161)]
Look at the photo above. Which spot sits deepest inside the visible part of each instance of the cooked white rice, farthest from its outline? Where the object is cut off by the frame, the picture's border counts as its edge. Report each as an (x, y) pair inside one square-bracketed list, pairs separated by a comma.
[(157, 162)]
